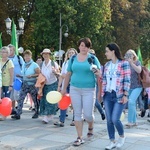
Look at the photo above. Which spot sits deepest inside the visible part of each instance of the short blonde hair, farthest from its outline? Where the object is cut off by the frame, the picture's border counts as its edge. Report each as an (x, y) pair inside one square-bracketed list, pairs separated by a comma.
[(135, 58), (27, 52), (6, 48)]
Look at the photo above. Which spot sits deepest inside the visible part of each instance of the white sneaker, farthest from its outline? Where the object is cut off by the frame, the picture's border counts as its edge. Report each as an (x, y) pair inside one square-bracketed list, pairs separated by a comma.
[(110, 146), (2, 118), (120, 142), (45, 120)]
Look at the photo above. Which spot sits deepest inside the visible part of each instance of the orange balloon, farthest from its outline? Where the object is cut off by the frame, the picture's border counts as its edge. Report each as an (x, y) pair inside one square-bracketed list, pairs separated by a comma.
[(64, 102), (6, 107)]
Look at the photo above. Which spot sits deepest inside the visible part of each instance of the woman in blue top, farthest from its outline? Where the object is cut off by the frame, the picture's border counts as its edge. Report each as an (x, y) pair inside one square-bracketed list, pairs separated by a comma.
[(82, 87), (30, 72)]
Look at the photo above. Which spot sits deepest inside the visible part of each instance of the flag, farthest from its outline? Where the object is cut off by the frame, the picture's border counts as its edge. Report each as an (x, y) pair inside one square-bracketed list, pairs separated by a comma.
[(140, 55), (149, 64), (0, 40), (14, 40)]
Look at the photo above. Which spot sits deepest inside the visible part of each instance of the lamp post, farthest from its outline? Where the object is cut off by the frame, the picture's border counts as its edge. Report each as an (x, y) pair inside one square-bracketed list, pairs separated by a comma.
[(21, 22), (60, 37)]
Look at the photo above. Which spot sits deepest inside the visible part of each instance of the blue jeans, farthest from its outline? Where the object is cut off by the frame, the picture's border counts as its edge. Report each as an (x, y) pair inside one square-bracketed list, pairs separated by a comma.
[(5, 91), (62, 115), (97, 103), (99, 107), (63, 112), (133, 95), (113, 111)]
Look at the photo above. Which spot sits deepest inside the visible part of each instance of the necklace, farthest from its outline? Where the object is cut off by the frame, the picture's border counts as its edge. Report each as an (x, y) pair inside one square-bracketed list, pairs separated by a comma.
[(112, 70)]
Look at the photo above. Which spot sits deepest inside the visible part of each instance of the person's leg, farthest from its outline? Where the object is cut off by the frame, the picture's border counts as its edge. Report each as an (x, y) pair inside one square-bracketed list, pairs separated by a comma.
[(62, 115), (109, 101), (33, 94), (22, 95), (99, 107), (134, 94), (61, 118), (109, 105), (116, 114), (75, 94), (6, 92), (141, 105), (88, 101), (117, 111), (14, 96)]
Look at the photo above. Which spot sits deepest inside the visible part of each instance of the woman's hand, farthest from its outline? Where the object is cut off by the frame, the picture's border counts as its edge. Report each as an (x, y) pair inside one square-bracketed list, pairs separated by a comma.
[(63, 92), (98, 73), (59, 89), (99, 96), (29, 76), (124, 99), (10, 88), (18, 75)]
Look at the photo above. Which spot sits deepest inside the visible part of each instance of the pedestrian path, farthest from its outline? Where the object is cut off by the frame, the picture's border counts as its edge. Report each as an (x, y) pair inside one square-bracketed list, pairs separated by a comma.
[(32, 134)]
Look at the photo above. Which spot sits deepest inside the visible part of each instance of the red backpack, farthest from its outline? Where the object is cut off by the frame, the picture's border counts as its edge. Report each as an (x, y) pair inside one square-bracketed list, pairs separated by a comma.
[(145, 77)]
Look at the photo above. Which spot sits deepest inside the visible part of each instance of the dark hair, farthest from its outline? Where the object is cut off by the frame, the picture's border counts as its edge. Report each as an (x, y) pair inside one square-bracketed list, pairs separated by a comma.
[(114, 47), (39, 57), (86, 41)]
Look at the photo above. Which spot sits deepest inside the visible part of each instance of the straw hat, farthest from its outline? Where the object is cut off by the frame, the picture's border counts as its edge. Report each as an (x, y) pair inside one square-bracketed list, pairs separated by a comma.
[(46, 50)]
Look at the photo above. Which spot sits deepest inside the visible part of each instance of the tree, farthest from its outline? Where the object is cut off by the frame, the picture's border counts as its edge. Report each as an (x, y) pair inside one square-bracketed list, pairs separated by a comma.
[(85, 18), (127, 17), (15, 10)]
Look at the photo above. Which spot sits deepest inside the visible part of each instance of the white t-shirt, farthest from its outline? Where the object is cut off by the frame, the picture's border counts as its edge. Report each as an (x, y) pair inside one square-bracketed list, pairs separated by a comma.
[(64, 67), (111, 77), (64, 71), (47, 72)]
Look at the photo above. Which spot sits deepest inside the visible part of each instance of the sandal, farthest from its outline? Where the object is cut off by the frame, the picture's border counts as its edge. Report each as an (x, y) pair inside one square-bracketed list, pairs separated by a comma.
[(78, 142), (89, 134)]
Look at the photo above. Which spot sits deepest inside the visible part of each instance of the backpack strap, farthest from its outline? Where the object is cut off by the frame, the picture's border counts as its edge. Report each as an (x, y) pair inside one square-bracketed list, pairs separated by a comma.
[(72, 58), (53, 63), (19, 60), (2, 69), (93, 59)]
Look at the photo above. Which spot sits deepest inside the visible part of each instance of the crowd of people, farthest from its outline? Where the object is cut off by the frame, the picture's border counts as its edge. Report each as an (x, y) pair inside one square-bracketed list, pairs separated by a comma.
[(115, 85)]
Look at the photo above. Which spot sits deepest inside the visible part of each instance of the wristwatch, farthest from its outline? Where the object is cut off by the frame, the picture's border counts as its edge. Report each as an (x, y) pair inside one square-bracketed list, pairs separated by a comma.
[(10, 86), (125, 95)]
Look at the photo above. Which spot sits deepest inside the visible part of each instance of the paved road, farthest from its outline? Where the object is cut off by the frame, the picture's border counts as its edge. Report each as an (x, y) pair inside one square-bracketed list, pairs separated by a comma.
[(31, 134)]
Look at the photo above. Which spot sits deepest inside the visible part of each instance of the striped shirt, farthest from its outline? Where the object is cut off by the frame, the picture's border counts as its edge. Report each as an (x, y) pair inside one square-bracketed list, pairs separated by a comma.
[(123, 78)]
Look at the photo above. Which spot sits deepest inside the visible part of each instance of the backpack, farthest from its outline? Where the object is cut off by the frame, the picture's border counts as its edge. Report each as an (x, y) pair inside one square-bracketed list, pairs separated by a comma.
[(144, 77)]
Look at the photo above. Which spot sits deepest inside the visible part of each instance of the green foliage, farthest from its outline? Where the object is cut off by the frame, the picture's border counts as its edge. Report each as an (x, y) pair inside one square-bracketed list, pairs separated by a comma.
[(129, 19), (125, 22), (84, 18)]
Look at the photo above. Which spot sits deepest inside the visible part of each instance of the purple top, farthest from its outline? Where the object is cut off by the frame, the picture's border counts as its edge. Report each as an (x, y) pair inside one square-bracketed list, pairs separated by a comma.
[(135, 82)]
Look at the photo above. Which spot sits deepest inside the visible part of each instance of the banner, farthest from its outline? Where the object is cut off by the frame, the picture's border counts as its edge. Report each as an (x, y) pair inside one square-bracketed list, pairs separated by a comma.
[(0, 40), (140, 56), (14, 40)]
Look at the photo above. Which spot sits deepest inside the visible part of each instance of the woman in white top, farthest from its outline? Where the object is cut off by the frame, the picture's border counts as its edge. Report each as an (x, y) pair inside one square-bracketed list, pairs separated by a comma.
[(70, 52), (49, 69)]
